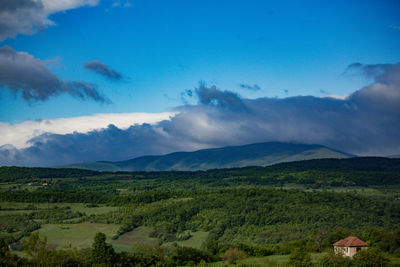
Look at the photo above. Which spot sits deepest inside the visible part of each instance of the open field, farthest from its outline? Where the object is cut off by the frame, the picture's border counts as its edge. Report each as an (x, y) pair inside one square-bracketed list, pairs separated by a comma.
[(196, 241), (79, 235), (18, 208), (139, 235)]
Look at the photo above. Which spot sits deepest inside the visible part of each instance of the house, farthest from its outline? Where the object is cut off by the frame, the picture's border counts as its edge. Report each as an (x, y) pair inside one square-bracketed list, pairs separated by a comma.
[(349, 246)]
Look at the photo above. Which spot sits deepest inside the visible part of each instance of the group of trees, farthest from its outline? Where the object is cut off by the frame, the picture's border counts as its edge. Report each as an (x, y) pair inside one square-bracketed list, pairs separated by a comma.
[(102, 254), (256, 215), (241, 209), (244, 215)]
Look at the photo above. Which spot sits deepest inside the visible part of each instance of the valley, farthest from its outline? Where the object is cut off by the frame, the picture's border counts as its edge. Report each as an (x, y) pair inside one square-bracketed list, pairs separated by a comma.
[(266, 212)]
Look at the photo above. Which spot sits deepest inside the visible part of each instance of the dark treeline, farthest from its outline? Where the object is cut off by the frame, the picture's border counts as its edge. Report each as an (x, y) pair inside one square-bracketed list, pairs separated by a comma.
[(24, 173), (59, 196), (362, 171)]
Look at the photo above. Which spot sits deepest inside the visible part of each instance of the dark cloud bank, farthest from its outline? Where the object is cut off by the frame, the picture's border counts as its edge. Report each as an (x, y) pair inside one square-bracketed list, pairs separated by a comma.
[(21, 73), (98, 67), (365, 123)]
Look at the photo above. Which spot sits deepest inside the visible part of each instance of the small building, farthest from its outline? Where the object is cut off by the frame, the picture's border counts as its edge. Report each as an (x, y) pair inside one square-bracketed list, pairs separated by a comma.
[(349, 246)]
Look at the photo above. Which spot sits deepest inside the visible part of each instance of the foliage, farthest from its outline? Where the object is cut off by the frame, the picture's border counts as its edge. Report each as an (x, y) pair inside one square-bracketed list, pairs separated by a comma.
[(8, 174), (335, 260), (300, 257), (188, 256), (7, 258), (250, 209), (372, 257), (146, 254), (102, 252), (232, 256)]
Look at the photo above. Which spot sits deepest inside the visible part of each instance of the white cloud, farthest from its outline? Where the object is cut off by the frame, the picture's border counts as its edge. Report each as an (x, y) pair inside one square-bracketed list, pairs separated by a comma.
[(19, 134), (339, 97), (28, 16), (367, 122), (52, 6)]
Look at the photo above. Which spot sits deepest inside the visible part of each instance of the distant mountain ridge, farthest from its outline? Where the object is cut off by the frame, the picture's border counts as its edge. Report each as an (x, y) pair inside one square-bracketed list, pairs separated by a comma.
[(259, 154)]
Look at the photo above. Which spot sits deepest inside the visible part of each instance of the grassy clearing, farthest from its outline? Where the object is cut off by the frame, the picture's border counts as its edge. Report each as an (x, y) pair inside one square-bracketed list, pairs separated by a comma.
[(139, 235), (79, 235), (372, 191), (18, 208), (197, 239)]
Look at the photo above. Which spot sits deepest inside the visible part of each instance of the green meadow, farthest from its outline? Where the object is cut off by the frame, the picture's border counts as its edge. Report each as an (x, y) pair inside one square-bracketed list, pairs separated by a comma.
[(78, 235)]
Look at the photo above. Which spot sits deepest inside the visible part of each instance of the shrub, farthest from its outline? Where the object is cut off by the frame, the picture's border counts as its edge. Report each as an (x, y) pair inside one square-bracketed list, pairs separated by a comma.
[(232, 256)]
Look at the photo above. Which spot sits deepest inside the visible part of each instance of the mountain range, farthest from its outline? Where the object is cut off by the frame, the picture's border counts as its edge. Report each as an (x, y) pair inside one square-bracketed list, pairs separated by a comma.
[(259, 154)]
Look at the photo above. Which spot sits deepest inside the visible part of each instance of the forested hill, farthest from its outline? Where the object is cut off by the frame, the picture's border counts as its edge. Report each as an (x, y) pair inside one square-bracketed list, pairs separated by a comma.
[(260, 154), (349, 164), (352, 171), (16, 173)]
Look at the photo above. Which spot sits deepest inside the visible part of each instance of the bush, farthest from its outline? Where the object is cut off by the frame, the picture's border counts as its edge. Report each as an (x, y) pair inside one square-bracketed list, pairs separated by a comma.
[(372, 257), (187, 255), (232, 256), (300, 258), (335, 260)]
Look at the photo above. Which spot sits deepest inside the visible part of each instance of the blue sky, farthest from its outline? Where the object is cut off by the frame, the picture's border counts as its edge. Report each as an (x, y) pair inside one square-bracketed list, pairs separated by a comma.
[(162, 48), (165, 47)]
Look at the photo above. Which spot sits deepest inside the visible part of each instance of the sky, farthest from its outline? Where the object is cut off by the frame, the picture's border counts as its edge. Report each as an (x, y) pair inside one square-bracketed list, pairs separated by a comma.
[(87, 80)]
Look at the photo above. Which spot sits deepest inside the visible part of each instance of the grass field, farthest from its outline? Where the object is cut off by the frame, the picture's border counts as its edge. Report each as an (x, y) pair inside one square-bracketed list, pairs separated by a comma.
[(18, 208), (79, 235), (139, 235), (197, 239)]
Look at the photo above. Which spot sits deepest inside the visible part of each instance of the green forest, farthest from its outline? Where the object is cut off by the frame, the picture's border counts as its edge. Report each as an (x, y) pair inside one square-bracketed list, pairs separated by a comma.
[(287, 214)]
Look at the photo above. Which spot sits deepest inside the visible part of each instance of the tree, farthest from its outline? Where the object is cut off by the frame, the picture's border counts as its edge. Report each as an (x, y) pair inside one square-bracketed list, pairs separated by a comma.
[(371, 257), (147, 254), (319, 238), (300, 258), (102, 252), (35, 247), (6, 257), (232, 256), (333, 259), (188, 256)]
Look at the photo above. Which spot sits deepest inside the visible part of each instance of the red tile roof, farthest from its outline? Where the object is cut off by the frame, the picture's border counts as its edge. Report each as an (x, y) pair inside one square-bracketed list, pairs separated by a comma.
[(350, 241)]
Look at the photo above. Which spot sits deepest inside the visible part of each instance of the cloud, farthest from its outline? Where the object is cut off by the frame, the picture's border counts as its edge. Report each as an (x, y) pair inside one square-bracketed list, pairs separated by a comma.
[(384, 93), (28, 16), (340, 97), (366, 122), (97, 67), (119, 3), (254, 87), (214, 97), (19, 134), (21, 73)]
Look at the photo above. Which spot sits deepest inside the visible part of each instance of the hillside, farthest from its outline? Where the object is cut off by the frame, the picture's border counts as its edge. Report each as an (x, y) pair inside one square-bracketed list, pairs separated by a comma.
[(260, 154)]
